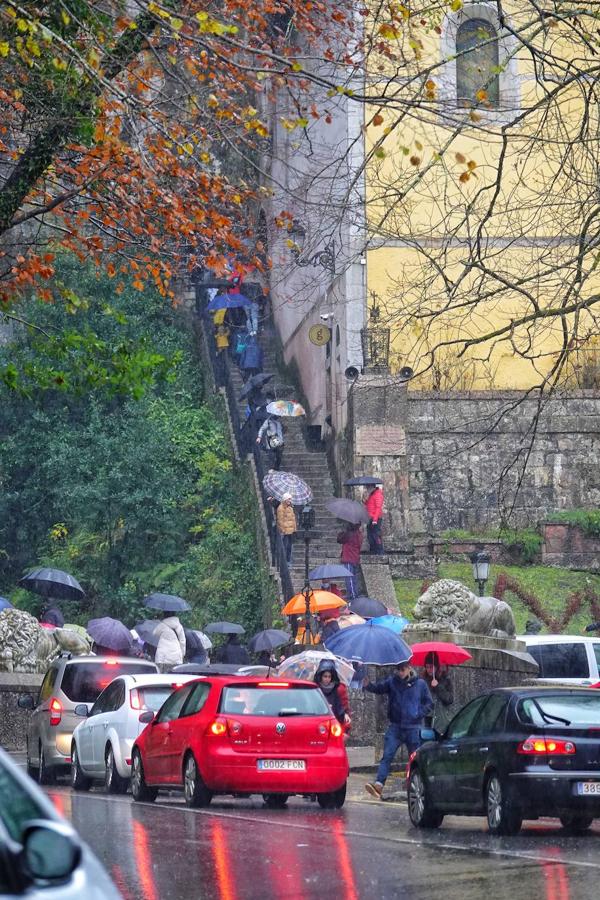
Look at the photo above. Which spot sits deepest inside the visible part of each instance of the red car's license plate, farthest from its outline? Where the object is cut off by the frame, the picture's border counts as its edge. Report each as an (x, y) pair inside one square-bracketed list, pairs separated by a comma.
[(277, 765)]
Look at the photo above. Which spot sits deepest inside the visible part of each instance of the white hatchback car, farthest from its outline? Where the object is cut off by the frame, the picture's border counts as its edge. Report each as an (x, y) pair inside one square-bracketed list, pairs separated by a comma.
[(565, 658), (101, 746)]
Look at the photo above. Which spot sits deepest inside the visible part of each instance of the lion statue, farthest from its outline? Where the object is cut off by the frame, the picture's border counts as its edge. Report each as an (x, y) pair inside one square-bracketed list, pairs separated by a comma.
[(450, 606), (27, 647)]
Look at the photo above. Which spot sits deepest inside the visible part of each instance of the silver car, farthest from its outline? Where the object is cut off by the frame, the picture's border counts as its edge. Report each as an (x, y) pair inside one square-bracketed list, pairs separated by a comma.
[(41, 856), (69, 682)]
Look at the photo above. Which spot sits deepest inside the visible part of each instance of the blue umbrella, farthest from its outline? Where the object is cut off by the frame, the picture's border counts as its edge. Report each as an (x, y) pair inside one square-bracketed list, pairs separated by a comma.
[(333, 570), (228, 301), (394, 623), (369, 644), (5, 604)]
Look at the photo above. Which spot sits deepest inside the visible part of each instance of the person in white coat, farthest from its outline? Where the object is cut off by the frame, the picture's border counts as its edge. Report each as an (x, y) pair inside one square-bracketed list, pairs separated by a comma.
[(171, 643)]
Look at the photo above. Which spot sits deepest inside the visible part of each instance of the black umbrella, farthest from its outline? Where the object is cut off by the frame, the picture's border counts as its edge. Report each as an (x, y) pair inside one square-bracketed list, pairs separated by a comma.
[(145, 631), (224, 628), (254, 382), (110, 633), (268, 640), (52, 583), (368, 608), (364, 479), (167, 603), (332, 570), (348, 510)]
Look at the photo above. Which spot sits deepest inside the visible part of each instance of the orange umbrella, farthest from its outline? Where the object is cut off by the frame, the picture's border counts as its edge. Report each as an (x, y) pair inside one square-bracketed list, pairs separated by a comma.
[(318, 600)]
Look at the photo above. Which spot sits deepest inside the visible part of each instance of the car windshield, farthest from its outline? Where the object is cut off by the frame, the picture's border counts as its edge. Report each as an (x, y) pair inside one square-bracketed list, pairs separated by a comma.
[(256, 700), (557, 709), (84, 682)]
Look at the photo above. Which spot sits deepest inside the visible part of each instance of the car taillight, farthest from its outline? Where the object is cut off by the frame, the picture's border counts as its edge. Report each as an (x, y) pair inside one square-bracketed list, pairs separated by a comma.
[(55, 711), (539, 746), (336, 729), (135, 701), (218, 727)]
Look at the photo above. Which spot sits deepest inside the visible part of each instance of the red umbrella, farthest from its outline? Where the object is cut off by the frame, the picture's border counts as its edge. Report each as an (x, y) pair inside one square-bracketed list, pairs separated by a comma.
[(448, 654)]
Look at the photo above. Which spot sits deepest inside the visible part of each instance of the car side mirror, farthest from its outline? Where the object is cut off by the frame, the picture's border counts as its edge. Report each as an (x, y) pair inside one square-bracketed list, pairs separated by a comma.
[(81, 710), (51, 851), (428, 734), (146, 717), (25, 701)]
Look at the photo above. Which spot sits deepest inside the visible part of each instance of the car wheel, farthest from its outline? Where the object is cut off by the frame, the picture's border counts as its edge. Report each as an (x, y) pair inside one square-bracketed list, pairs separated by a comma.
[(334, 799), (420, 811), (113, 782), (275, 801), (45, 774), (79, 780), (503, 815), (195, 791), (139, 789), (576, 824)]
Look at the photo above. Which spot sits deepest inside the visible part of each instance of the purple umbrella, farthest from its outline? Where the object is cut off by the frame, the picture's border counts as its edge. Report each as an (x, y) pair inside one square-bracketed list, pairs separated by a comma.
[(110, 633)]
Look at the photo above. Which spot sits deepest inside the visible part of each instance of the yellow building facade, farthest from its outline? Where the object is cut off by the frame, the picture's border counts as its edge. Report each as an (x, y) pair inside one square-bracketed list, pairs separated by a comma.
[(482, 187)]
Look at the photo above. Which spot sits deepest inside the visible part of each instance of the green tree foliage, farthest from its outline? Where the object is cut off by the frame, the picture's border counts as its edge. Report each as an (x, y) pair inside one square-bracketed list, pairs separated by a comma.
[(131, 487)]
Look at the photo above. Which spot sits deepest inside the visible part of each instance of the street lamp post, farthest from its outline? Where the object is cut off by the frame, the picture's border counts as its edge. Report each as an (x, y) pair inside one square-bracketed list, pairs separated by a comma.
[(480, 560), (307, 522)]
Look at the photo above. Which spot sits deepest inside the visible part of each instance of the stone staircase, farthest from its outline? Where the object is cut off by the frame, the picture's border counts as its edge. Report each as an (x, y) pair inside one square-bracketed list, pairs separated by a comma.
[(306, 461)]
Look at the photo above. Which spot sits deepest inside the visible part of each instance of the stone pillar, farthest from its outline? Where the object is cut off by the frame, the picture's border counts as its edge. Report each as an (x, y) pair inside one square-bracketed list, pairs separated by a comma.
[(377, 418)]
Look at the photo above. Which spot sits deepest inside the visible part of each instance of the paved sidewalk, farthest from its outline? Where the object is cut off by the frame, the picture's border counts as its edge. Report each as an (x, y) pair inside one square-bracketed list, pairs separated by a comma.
[(363, 768)]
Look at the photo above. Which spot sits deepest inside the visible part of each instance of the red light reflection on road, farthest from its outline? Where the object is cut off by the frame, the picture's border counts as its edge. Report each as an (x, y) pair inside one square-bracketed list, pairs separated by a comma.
[(119, 880), (143, 859), (346, 871), (223, 863), (556, 879)]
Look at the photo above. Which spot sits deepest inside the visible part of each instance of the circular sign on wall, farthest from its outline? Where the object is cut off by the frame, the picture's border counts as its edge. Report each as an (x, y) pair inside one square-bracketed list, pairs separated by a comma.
[(319, 335)]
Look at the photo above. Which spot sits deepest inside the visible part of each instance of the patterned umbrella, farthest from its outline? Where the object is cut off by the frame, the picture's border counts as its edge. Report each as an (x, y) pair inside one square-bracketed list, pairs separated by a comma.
[(279, 483), (228, 301), (318, 600), (304, 665), (286, 408), (52, 583), (348, 510), (110, 633), (370, 644)]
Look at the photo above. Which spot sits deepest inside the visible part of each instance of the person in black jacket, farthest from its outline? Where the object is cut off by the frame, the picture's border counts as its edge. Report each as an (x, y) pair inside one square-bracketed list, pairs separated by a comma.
[(232, 652), (440, 686)]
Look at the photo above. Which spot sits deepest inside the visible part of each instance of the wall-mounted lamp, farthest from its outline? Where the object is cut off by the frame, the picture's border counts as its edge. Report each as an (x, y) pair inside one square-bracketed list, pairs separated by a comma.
[(324, 258)]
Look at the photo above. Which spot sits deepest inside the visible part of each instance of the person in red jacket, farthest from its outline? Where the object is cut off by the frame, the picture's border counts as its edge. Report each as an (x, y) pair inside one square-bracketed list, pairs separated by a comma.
[(351, 540), (335, 692), (374, 507)]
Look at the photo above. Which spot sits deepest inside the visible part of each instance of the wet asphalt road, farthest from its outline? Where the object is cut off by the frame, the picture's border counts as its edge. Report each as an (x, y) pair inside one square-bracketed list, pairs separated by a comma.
[(238, 850)]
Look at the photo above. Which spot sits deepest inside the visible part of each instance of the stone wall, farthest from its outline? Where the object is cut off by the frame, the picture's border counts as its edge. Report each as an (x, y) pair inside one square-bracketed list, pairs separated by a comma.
[(567, 546), (13, 721), (468, 452)]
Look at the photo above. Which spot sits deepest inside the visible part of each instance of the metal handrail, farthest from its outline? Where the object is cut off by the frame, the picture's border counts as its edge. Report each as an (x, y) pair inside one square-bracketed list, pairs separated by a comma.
[(221, 366)]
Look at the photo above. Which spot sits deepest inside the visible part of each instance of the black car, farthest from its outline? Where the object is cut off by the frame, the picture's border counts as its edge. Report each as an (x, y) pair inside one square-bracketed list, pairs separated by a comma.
[(512, 754)]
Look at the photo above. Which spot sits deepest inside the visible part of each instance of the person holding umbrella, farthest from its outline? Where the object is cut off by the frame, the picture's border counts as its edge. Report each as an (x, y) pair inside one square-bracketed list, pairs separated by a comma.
[(232, 652), (409, 701), (374, 508), (335, 692), (440, 687), (351, 539), (286, 524), (171, 646), (270, 437)]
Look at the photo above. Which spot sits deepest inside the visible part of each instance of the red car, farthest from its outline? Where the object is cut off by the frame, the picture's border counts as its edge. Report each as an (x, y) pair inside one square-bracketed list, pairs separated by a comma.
[(234, 735)]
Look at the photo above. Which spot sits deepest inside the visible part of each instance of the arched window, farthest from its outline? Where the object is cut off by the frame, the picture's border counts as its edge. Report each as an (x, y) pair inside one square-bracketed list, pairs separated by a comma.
[(477, 62)]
